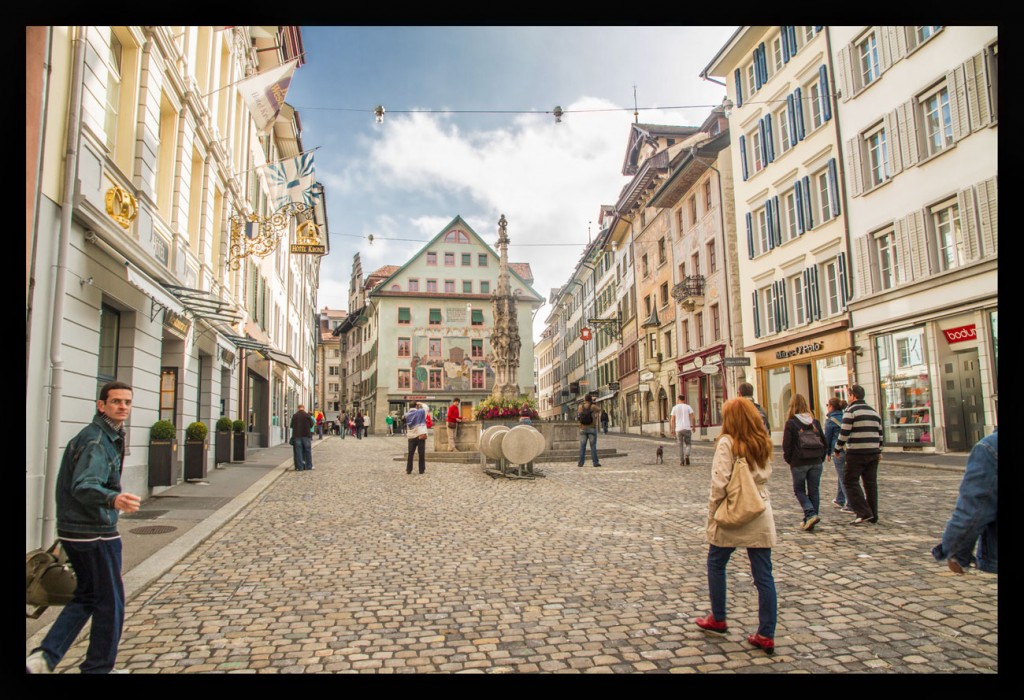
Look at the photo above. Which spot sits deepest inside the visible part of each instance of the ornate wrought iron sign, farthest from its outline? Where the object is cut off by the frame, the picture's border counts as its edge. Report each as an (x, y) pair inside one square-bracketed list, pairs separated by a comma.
[(252, 235)]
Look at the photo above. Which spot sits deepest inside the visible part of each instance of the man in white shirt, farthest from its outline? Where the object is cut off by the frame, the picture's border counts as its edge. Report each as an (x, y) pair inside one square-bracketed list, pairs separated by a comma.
[(681, 422)]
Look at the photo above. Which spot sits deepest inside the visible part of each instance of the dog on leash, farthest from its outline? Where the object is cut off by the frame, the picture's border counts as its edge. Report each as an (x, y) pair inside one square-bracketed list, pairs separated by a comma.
[(659, 456)]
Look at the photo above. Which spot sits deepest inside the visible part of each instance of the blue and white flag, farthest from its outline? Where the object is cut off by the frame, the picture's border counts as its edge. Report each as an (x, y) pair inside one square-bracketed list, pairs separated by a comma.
[(264, 93), (290, 180)]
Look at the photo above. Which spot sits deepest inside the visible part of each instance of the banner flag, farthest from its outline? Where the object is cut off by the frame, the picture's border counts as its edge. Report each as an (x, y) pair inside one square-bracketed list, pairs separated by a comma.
[(290, 180), (264, 93)]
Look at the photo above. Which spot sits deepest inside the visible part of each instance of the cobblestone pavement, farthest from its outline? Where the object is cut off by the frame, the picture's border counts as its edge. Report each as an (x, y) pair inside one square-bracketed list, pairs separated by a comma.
[(357, 567)]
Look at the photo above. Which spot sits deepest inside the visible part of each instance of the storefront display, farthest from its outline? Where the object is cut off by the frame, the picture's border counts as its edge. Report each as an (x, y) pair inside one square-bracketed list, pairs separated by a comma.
[(905, 388)]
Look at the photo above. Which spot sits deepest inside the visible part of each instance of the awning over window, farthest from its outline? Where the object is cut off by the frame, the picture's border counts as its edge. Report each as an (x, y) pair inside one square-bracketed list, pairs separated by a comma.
[(281, 357), (435, 315), (404, 315), (153, 290), (605, 397), (264, 349), (478, 317), (205, 305)]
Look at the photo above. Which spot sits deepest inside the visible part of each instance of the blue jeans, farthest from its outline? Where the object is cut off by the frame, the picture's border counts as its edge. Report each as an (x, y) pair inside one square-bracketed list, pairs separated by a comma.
[(99, 595), (839, 460), (760, 570), (806, 480), (302, 452), (588, 434)]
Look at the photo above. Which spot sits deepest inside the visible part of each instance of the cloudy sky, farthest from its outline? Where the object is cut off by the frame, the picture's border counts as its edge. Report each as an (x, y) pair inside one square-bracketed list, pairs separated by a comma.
[(468, 131)]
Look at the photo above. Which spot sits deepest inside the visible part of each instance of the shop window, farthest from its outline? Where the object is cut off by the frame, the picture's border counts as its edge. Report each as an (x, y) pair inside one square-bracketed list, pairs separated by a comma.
[(905, 388)]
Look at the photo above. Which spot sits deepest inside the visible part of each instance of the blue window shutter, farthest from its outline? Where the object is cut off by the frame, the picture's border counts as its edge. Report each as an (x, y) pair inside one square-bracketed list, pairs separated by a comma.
[(799, 196), (743, 156), (826, 102), (792, 39), (843, 292), (757, 70), (763, 145), (750, 236), (757, 316), (794, 137), (833, 186), (769, 138), (798, 107), (769, 221), (739, 87), (815, 295), (808, 204), (807, 295), (817, 30), (784, 40), (764, 63), (778, 220)]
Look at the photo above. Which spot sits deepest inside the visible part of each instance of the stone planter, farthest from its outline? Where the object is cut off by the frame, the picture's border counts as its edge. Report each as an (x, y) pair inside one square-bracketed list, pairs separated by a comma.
[(162, 470), (238, 455)]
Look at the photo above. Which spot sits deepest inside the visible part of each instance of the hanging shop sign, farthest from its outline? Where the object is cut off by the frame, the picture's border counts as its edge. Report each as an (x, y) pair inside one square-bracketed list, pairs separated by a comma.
[(177, 324), (736, 361), (586, 334), (709, 369), (961, 334), (307, 240), (800, 350)]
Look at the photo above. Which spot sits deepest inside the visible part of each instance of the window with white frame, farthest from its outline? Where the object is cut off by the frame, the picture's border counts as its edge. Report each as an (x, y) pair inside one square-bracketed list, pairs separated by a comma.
[(877, 148), (922, 34), (797, 300), (867, 59), (782, 119), (812, 103), (765, 300), (477, 377), (888, 259), (751, 82), (414, 285), (432, 258), (823, 196), (754, 139), (936, 118), (761, 234), (449, 286), (949, 239), (404, 378), (405, 347), (431, 286), (777, 53), (789, 219), (113, 94), (830, 275)]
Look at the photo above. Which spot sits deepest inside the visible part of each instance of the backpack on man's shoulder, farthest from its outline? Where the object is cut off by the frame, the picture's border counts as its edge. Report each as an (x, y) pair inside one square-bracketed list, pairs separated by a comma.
[(809, 444), (586, 416)]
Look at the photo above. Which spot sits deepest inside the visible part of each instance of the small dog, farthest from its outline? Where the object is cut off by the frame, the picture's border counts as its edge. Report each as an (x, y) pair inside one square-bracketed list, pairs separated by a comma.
[(659, 456)]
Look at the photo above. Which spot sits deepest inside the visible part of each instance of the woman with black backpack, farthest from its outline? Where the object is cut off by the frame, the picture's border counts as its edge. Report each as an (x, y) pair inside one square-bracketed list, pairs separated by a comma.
[(803, 447)]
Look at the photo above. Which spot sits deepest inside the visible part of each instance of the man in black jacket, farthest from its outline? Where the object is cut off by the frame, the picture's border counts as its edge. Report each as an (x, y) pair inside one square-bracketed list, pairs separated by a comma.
[(302, 440), (746, 389)]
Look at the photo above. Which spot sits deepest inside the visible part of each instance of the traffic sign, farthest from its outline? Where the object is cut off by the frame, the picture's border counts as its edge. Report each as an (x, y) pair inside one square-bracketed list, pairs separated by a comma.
[(736, 361)]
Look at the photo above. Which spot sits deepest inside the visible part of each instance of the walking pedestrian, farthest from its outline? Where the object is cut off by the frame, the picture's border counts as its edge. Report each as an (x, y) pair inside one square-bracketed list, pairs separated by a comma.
[(366, 425), (588, 415), (319, 417), (746, 390), (359, 421), (452, 420), (390, 421), (680, 423), (975, 517), (302, 440), (89, 498), (604, 421), (416, 420), (803, 447), (861, 436), (742, 435), (833, 423)]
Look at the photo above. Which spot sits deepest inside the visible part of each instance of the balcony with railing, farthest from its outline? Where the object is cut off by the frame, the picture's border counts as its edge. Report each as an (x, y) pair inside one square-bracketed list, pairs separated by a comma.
[(690, 292)]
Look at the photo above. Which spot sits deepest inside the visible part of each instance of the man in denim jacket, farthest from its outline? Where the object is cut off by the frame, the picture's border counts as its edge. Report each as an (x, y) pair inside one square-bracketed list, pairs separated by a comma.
[(89, 499), (974, 518)]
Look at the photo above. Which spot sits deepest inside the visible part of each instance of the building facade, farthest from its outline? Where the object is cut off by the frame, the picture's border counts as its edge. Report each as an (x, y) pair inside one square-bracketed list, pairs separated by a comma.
[(794, 275), (329, 364), (130, 245), (918, 115)]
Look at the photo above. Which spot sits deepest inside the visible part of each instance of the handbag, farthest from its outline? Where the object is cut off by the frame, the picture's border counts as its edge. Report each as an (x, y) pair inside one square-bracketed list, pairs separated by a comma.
[(743, 500), (49, 579)]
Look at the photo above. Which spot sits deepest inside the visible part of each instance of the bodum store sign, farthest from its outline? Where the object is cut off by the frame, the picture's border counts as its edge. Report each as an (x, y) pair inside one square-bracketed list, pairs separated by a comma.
[(961, 334)]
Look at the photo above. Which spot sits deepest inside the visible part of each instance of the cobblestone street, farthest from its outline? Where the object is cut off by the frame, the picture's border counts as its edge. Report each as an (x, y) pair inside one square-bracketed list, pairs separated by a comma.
[(358, 567)]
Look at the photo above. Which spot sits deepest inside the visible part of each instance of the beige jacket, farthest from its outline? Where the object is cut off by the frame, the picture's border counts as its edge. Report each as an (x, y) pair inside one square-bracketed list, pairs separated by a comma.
[(759, 532)]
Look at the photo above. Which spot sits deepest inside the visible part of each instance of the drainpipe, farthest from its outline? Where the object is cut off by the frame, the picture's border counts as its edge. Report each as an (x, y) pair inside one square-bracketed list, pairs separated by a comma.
[(37, 193), (60, 281)]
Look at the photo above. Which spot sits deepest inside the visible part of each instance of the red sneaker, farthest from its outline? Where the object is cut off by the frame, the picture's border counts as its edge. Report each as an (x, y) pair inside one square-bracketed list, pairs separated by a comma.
[(766, 643), (710, 624)]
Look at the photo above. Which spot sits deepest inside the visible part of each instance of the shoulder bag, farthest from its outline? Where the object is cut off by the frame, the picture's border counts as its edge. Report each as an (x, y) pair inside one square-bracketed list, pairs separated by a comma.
[(49, 579), (743, 500)]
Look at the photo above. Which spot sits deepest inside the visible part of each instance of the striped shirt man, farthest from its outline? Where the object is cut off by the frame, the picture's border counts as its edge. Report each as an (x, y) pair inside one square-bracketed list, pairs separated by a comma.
[(861, 431)]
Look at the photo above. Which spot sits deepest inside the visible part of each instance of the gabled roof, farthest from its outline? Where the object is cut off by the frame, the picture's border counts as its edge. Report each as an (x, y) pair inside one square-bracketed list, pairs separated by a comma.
[(639, 134), (523, 270), (459, 222)]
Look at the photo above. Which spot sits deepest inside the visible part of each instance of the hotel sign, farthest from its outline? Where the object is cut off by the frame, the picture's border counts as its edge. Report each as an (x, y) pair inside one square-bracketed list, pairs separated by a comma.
[(800, 350), (178, 325)]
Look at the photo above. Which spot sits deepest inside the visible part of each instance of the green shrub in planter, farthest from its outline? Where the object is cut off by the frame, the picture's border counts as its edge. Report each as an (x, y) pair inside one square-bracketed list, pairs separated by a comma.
[(224, 424), (162, 430), (238, 426), (196, 432)]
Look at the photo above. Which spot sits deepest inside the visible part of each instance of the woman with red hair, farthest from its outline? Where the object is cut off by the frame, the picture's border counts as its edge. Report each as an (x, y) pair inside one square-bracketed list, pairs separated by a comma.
[(743, 435)]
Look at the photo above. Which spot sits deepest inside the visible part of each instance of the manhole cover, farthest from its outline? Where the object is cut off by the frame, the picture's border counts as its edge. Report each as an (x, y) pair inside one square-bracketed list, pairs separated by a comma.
[(153, 530), (147, 514)]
